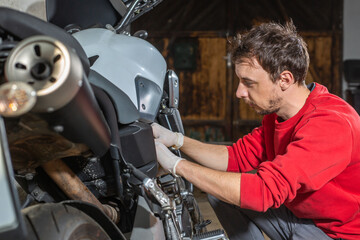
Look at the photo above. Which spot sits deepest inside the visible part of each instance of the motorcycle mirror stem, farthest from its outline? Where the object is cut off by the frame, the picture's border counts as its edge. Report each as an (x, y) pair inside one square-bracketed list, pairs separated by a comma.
[(126, 19)]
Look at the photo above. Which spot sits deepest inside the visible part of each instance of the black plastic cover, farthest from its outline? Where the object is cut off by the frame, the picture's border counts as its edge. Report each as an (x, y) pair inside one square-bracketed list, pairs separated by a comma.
[(84, 13), (138, 147), (171, 120), (149, 96)]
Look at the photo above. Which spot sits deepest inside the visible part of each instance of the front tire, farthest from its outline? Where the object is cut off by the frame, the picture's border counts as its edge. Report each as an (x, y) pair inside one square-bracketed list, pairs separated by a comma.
[(58, 221)]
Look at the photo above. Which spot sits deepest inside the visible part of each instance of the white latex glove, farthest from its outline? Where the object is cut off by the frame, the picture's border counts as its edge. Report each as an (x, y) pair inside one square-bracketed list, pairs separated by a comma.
[(167, 137), (166, 158)]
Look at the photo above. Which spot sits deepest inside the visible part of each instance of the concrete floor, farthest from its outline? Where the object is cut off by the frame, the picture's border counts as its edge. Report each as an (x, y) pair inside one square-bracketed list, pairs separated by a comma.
[(208, 212)]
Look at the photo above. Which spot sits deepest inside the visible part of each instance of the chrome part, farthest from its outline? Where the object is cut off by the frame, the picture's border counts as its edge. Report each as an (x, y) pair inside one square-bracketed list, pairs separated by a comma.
[(156, 191), (212, 235), (29, 176), (171, 223), (172, 207), (16, 99), (132, 11), (141, 34), (185, 210), (49, 67), (173, 91), (58, 128), (110, 27), (125, 21)]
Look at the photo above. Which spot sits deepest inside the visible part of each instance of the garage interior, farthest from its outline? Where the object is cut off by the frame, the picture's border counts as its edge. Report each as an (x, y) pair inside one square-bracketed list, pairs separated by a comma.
[(193, 38)]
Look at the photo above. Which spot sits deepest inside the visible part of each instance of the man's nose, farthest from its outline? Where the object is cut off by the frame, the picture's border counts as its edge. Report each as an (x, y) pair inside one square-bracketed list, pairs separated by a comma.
[(241, 91)]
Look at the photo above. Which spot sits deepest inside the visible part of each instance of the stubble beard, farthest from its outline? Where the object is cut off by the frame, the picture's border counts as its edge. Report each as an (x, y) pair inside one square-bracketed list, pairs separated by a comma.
[(273, 106)]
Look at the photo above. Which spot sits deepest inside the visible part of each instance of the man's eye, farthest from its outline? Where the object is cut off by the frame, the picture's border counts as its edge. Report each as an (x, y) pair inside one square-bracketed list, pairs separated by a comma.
[(248, 84)]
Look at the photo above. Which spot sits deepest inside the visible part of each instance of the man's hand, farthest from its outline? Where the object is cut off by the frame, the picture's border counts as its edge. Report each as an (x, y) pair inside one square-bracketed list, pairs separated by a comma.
[(167, 159), (167, 137)]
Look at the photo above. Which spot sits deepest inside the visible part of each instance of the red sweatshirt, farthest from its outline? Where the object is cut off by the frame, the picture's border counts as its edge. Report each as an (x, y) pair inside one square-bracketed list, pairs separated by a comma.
[(310, 163)]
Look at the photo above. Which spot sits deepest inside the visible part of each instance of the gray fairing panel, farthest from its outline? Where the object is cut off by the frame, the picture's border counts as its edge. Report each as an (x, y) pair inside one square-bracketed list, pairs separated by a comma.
[(126, 110), (146, 225), (122, 59), (149, 96)]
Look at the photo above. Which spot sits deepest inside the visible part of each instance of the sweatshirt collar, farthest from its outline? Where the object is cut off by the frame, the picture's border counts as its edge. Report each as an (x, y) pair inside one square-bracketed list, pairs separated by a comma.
[(315, 90)]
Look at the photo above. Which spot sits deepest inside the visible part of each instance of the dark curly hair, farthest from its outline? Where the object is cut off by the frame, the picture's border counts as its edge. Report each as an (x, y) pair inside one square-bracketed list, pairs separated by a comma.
[(276, 47)]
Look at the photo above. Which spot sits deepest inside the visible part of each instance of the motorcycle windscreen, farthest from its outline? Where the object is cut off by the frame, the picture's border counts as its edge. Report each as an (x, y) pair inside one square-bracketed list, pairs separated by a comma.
[(84, 13), (11, 223)]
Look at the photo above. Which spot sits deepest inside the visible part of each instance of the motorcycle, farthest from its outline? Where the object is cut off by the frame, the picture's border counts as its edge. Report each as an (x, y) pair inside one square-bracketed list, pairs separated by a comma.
[(76, 107)]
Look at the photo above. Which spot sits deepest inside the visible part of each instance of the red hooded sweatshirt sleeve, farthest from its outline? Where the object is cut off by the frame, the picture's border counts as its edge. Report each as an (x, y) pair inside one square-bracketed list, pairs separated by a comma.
[(310, 163)]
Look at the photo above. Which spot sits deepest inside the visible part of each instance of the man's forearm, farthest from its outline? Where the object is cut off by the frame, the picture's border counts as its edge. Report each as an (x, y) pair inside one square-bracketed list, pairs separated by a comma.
[(223, 185), (209, 155)]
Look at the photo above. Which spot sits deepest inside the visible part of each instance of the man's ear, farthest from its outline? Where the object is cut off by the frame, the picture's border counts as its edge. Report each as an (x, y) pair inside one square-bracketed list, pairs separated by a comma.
[(286, 79)]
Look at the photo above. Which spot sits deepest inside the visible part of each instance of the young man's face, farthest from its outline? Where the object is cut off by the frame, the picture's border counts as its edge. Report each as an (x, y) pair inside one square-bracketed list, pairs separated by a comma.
[(256, 88)]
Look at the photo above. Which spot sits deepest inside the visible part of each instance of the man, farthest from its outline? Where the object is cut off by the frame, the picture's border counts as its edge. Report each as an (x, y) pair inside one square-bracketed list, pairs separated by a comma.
[(306, 153)]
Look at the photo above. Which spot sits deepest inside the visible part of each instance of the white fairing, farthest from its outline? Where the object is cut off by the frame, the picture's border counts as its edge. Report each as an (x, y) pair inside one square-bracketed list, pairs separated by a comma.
[(123, 58)]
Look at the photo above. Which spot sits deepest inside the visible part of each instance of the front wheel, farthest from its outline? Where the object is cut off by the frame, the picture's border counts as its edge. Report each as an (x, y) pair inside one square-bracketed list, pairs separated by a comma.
[(58, 221)]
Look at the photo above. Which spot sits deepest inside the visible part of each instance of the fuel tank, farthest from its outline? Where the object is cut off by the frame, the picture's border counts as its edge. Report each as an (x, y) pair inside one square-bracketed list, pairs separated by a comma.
[(125, 65)]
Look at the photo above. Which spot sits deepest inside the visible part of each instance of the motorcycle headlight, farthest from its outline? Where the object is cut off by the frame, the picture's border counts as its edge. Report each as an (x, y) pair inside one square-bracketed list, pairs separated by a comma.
[(16, 98)]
